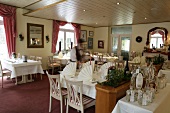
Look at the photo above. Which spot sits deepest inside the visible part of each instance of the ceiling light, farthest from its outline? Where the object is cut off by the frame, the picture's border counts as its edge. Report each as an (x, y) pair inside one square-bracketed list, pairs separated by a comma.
[(84, 10), (96, 23), (117, 3), (145, 18)]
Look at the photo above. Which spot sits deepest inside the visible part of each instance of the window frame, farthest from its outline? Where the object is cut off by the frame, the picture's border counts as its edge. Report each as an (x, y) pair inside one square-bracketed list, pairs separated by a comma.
[(65, 31)]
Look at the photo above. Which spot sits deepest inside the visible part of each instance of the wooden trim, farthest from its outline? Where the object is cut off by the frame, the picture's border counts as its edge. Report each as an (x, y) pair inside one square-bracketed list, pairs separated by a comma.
[(47, 6), (31, 4)]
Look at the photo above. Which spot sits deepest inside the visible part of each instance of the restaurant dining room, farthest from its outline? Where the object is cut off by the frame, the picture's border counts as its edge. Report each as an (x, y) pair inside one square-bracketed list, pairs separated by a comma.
[(88, 56)]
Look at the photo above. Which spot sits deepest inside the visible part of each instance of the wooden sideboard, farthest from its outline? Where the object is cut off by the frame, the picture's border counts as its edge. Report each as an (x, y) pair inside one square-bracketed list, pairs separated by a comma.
[(107, 97)]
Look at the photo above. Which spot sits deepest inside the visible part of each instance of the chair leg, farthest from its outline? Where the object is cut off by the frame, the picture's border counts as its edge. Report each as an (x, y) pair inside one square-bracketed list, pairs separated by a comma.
[(67, 107), (2, 81), (50, 103), (61, 105)]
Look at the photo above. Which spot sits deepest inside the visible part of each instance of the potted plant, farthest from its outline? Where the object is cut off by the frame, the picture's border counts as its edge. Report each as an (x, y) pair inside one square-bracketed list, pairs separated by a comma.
[(116, 77), (110, 91)]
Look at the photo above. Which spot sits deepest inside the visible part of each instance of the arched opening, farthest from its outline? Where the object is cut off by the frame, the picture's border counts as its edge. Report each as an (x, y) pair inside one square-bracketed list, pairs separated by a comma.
[(156, 37)]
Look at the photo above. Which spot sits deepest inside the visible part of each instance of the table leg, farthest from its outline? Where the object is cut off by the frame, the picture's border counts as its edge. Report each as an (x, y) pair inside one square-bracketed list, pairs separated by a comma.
[(31, 80), (22, 81)]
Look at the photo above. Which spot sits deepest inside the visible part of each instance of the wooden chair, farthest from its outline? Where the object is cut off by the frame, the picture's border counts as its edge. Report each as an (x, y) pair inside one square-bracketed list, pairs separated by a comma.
[(52, 64), (40, 60), (32, 58), (119, 64), (135, 63), (4, 72), (99, 62), (56, 91), (75, 97)]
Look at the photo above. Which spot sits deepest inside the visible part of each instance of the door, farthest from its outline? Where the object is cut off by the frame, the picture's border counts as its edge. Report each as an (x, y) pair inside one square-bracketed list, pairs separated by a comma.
[(121, 45)]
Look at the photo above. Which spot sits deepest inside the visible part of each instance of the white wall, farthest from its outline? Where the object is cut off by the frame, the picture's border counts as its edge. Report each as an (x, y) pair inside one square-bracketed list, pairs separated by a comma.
[(142, 30), (101, 33), (87, 28), (21, 46)]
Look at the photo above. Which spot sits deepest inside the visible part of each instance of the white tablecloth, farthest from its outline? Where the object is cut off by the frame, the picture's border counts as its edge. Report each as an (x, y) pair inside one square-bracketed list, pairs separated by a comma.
[(161, 104), (63, 60), (88, 86), (19, 67), (166, 72), (109, 58)]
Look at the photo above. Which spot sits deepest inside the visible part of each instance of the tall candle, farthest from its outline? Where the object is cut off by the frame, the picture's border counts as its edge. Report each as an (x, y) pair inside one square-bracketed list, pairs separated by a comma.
[(60, 46), (71, 45)]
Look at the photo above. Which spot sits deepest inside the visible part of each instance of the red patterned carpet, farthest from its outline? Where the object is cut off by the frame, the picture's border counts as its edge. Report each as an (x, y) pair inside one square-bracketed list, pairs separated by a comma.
[(30, 98)]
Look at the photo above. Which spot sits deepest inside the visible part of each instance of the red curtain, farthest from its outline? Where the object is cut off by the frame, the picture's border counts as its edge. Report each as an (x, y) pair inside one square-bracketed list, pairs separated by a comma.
[(56, 25), (76, 30), (163, 35), (9, 16)]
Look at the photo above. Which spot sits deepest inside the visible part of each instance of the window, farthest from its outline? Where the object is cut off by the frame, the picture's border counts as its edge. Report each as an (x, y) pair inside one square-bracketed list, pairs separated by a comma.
[(66, 36), (156, 41), (3, 45)]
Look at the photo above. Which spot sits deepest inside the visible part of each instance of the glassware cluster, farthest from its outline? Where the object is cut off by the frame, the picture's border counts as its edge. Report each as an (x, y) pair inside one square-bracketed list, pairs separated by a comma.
[(144, 85)]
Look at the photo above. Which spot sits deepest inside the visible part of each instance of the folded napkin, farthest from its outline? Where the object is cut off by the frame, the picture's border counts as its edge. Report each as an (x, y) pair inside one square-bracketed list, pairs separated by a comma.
[(86, 74), (70, 69)]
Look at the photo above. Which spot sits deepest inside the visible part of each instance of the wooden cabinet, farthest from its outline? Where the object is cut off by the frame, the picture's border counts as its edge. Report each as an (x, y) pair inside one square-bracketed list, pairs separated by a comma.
[(106, 97)]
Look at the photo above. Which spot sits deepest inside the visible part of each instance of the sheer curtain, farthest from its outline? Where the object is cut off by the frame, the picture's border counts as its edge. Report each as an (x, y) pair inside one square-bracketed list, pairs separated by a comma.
[(9, 16), (56, 25)]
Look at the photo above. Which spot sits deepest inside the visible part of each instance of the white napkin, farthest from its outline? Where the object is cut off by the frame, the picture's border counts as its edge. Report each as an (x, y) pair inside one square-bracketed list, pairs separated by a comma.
[(60, 55), (70, 69), (86, 74)]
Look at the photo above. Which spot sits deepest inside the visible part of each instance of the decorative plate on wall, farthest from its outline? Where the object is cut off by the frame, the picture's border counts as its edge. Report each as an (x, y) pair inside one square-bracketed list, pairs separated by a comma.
[(138, 39)]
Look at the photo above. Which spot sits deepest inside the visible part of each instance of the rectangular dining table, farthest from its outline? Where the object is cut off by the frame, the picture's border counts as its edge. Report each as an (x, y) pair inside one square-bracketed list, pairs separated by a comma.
[(159, 105), (88, 86), (20, 68)]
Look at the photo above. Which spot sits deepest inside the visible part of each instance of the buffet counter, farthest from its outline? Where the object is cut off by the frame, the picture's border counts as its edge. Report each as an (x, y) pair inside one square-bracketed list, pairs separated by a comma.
[(152, 54)]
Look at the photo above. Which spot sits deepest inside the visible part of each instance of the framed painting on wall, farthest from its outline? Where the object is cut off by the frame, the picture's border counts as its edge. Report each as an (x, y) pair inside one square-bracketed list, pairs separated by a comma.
[(91, 33), (101, 44), (83, 35), (90, 43)]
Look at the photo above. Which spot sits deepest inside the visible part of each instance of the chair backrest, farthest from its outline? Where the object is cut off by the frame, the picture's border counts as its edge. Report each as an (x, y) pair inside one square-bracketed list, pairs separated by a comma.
[(55, 86), (100, 57), (70, 69), (74, 91), (137, 59), (50, 59), (143, 60), (39, 59), (1, 72), (32, 58)]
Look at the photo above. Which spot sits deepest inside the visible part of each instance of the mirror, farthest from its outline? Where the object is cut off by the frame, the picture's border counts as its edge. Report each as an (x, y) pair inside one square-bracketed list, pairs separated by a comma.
[(35, 35)]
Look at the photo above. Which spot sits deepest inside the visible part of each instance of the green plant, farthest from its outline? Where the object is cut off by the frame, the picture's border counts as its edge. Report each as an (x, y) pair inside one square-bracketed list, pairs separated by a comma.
[(158, 60), (115, 78)]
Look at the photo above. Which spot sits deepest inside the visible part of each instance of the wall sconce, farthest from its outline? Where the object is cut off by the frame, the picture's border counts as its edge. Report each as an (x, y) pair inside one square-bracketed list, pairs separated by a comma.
[(47, 39), (21, 37)]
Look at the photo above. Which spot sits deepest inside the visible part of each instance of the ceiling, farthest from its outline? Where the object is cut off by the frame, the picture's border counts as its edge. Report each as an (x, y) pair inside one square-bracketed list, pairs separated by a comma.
[(97, 13)]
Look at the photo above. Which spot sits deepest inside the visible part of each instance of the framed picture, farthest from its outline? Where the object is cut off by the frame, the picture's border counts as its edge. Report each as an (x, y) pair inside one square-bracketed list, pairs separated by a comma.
[(90, 43), (101, 44), (83, 35), (91, 33)]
